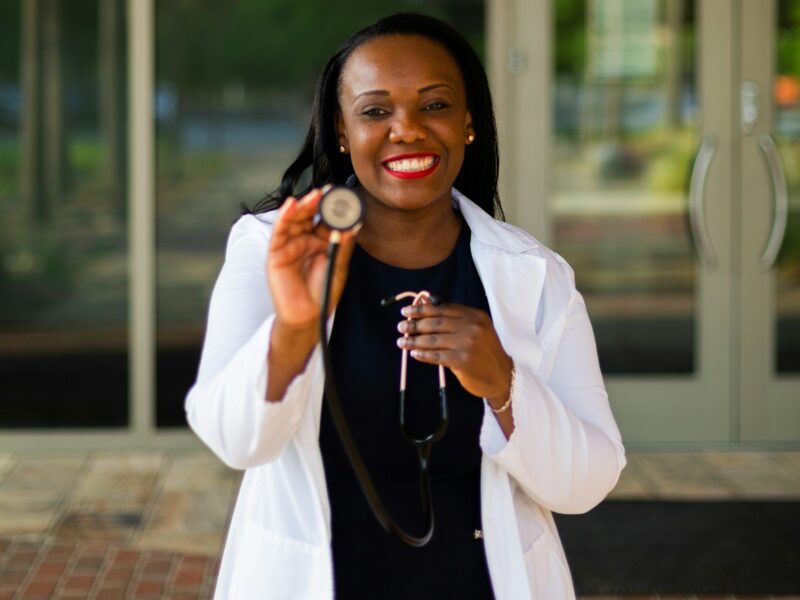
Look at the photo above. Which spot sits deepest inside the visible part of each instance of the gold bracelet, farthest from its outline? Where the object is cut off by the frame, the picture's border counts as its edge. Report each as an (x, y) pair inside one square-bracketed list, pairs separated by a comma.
[(505, 406)]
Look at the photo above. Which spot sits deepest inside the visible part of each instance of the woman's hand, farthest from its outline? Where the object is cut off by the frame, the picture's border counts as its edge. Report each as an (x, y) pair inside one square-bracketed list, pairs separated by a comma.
[(297, 261), (296, 266), (462, 339)]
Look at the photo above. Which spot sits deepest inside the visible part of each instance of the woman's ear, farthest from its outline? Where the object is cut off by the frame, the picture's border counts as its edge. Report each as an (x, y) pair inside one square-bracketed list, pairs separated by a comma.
[(341, 136)]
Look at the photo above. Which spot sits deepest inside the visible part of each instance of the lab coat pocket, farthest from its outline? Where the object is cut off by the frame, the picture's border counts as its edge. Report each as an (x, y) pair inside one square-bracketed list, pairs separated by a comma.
[(547, 576), (529, 520), (270, 565)]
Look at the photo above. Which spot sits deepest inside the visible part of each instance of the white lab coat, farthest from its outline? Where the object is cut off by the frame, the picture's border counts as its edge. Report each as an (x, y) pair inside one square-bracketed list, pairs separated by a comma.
[(565, 454)]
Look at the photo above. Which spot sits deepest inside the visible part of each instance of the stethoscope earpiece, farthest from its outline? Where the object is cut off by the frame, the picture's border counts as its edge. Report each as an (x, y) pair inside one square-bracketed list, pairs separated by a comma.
[(432, 298)]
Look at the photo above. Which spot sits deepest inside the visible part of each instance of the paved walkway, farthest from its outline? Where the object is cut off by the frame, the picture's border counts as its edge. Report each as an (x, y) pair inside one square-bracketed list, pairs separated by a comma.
[(147, 525), (48, 568)]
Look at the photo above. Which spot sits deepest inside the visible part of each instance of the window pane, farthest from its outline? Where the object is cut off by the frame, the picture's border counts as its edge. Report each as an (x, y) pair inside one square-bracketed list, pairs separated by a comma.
[(625, 134), (234, 87), (787, 137), (63, 244)]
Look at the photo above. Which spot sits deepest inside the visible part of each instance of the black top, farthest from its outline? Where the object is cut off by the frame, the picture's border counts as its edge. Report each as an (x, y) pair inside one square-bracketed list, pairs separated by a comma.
[(367, 561)]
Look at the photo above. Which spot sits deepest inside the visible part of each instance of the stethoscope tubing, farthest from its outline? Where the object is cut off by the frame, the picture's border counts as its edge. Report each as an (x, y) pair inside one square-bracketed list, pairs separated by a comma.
[(343, 429)]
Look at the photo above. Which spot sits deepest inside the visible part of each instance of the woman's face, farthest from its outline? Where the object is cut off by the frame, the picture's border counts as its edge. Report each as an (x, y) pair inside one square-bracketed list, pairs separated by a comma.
[(404, 120)]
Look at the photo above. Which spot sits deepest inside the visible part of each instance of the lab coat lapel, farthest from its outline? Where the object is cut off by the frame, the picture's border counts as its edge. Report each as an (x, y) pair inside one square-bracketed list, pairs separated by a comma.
[(512, 277)]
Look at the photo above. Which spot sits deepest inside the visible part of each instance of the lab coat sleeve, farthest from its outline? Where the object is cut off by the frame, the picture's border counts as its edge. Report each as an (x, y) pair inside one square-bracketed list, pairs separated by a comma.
[(227, 406), (565, 451)]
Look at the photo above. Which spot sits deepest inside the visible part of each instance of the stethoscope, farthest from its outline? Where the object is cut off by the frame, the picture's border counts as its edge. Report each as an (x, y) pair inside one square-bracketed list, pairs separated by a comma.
[(341, 210)]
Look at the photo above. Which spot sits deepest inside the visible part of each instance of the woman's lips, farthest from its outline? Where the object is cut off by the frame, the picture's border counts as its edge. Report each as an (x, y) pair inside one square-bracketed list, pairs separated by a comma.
[(411, 166)]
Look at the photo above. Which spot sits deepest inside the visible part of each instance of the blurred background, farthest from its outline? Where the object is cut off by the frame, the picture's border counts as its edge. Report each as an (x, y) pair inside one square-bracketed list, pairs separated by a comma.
[(655, 144)]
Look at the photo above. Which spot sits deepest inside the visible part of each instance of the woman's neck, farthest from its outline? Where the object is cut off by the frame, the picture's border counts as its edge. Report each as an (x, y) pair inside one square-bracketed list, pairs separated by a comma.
[(410, 239)]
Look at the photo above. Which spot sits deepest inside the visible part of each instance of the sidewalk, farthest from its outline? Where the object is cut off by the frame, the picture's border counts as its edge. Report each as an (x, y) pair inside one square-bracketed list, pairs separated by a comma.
[(103, 526), (52, 568), (146, 525)]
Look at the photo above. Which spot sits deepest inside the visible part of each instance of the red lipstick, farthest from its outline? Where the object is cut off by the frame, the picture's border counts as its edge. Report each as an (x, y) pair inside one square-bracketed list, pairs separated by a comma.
[(408, 174)]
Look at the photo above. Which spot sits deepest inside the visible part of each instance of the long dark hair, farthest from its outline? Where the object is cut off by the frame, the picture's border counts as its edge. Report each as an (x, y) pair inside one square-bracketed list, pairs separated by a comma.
[(320, 151)]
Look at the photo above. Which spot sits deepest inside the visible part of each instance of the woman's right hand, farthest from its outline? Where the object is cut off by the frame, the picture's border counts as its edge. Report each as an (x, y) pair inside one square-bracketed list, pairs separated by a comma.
[(296, 267), (297, 262)]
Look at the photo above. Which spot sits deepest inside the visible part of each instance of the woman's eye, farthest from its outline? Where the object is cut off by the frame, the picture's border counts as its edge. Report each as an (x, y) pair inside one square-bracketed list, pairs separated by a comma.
[(374, 112), (436, 106)]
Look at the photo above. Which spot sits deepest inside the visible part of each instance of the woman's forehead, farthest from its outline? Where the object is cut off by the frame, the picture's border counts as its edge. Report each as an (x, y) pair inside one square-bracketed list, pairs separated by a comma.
[(391, 60)]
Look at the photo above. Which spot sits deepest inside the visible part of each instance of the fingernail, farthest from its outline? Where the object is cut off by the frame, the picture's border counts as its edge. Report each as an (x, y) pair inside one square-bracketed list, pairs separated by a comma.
[(415, 353), (287, 203), (407, 311), (327, 188), (401, 327), (401, 342)]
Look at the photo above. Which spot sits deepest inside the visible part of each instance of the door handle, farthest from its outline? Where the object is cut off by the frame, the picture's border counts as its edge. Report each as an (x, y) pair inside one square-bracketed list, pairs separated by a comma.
[(781, 201), (697, 218)]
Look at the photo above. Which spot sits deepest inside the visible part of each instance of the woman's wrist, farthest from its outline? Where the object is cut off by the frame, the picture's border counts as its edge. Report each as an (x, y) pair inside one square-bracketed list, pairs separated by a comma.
[(289, 350), (290, 337), (499, 403), (291, 345)]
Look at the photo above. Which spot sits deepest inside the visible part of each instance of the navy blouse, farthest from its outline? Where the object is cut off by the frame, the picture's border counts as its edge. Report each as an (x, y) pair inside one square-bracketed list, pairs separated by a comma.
[(367, 561)]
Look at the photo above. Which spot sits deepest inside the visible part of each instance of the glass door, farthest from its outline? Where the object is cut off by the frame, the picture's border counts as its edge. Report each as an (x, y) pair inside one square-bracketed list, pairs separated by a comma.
[(655, 144), (634, 192), (770, 217)]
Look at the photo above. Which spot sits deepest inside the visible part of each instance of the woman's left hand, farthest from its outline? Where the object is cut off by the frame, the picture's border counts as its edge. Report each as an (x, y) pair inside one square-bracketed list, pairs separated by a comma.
[(464, 340)]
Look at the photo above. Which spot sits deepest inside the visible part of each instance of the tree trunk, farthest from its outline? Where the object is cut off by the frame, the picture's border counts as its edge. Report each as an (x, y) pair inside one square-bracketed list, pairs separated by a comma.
[(30, 192), (110, 95), (53, 107), (672, 80)]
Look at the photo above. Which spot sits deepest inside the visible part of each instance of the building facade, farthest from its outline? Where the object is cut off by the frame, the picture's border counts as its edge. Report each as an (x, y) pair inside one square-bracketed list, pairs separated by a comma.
[(655, 144)]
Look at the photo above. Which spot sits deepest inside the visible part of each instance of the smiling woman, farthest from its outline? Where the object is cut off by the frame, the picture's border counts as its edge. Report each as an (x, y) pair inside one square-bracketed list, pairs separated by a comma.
[(403, 116), (405, 124)]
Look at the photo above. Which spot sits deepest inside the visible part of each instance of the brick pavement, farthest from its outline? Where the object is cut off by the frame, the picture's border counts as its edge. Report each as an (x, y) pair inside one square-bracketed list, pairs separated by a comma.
[(53, 569), (145, 525), (92, 570)]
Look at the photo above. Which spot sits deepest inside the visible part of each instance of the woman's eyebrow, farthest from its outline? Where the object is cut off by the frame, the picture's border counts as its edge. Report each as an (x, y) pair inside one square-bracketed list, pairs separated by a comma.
[(433, 86), (372, 93)]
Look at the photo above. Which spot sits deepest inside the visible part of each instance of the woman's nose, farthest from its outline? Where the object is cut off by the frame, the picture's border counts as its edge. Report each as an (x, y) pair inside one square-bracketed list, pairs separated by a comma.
[(406, 129)]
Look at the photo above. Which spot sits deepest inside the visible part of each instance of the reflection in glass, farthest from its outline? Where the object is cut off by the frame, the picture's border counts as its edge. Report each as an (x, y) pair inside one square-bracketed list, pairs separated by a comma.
[(63, 244), (234, 87), (787, 137), (624, 112)]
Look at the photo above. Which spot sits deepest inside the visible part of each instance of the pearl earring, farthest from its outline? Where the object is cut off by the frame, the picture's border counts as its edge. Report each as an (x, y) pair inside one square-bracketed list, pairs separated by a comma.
[(470, 138), (342, 149)]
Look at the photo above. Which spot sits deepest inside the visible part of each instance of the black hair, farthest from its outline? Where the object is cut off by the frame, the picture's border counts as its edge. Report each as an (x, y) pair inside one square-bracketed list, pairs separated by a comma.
[(478, 177)]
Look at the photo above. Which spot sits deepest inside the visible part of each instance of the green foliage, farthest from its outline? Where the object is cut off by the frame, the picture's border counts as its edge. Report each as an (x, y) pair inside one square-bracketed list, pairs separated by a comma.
[(789, 255), (86, 159), (9, 40), (789, 39), (202, 44), (668, 165), (570, 42), (9, 169)]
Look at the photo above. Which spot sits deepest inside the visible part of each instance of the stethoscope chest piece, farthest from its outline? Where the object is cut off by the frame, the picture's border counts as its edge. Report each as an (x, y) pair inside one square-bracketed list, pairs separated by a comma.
[(341, 209)]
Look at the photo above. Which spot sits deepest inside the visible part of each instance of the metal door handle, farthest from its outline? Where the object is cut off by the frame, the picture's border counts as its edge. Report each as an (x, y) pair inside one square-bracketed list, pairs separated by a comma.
[(781, 196), (697, 218)]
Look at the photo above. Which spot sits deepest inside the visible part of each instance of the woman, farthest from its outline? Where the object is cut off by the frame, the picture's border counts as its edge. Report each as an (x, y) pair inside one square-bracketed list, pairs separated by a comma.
[(403, 114)]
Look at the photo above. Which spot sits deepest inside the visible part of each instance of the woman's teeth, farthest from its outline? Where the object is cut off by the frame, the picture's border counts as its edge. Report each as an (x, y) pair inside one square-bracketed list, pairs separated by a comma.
[(411, 165)]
